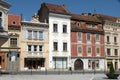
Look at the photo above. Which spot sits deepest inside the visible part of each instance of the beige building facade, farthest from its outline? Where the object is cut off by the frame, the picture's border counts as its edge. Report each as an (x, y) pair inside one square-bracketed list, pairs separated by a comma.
[(34, 45), (112, 44)]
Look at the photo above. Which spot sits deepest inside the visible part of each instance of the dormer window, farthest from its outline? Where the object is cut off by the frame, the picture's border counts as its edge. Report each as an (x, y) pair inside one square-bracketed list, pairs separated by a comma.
[(13, 22), (91, 25)]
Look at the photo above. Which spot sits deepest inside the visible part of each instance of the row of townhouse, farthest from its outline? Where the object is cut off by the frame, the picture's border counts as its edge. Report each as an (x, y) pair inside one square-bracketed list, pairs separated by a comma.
[(56, 39)]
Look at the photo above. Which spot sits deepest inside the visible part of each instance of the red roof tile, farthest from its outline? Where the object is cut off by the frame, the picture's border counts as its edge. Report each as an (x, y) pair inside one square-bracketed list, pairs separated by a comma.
[(86, 18), (14, 20), (106, 17), (61, 9)]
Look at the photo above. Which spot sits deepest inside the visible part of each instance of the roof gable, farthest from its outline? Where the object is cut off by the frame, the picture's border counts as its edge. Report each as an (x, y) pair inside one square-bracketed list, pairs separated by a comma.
[(14, 20), (60, 9)]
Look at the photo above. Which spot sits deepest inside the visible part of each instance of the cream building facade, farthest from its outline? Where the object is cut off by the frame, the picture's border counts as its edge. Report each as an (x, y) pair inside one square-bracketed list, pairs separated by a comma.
[(34, 45), (112, 44)]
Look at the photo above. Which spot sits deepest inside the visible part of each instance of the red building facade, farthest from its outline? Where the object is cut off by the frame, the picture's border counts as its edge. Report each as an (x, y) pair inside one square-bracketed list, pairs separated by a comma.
[(87, 43)]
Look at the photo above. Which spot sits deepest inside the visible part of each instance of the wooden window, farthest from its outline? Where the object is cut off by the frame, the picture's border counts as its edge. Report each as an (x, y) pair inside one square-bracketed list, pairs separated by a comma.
[(97, 50), (88, 36), (79, 36), (108, 51), (55, 46), (79, 49), (40, 48), (40, 35), (35, 47), (116, 52), (108, 39), (13, 42), (97, 37), (89, 50), (64, 28), (29, 34), (64, 46), (55, 28), (35, 34), (29, 47)]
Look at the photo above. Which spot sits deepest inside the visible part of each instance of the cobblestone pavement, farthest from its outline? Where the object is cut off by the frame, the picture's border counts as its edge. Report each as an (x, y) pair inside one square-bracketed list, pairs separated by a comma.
[(56, 77)]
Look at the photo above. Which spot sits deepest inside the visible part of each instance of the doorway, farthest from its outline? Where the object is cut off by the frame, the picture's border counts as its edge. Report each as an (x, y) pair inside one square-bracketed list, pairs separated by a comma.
[(78, 65)]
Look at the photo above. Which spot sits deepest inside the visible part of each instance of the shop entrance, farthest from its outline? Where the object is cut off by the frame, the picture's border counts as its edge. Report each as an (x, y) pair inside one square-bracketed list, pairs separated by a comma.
[(34, 63)]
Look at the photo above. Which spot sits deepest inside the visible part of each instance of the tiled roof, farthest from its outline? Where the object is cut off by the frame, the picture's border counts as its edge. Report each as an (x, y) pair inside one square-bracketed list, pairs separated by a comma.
[(85, 17), (14, 20), (106, 17), (60, 9)]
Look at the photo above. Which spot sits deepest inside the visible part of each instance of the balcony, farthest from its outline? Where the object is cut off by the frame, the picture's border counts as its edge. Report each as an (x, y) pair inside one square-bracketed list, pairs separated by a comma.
[(3, 36)]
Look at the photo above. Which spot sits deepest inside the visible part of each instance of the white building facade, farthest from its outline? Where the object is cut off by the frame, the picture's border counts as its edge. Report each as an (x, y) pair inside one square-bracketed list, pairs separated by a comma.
[(58, 19), (59, 45)]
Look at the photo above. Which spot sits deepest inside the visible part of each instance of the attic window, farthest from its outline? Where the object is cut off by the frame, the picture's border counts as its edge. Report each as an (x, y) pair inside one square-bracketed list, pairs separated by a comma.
[(13, 22)]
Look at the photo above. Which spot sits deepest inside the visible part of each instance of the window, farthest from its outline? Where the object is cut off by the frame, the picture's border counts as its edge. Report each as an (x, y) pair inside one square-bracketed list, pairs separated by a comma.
[(97, 37), (91, 25), (55, 28), (115, 39), (64, 28), (35, 47), (35, 34), (97, 63), (108, 39), (88, 36), (64, 46), (89, 63), (79, 36), (13, 42), (29, 48), (89, 50), (40, 35), (79, 49), (97, 50), (29, 34), (40, 48), (0, 20), (55, 46), (116, 52), (108, 51), (13, 22)]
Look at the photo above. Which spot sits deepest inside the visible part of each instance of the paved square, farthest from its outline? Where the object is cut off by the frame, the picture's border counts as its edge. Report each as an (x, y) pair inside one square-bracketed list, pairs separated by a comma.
[(56, 77)]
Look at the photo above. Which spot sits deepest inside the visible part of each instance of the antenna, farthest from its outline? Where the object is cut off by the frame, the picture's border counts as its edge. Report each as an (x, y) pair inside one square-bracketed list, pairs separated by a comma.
[(94, 11), (21, 16)]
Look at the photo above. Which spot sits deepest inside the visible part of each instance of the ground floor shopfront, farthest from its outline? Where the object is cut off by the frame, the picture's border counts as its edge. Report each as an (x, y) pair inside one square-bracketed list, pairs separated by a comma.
[(115, 62), (89, 64), (60, 63), (34, 63), (9, 60), (3, 60)]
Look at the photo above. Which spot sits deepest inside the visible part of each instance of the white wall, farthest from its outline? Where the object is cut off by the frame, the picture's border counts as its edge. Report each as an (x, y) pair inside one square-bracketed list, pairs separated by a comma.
[(59, 37)]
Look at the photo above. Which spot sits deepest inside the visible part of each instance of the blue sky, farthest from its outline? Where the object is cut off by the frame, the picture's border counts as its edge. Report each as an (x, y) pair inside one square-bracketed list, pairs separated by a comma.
[(30, 7)]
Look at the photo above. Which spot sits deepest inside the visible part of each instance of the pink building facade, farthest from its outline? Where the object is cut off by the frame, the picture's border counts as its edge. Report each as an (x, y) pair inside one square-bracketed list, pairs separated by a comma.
[(87, 43)]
